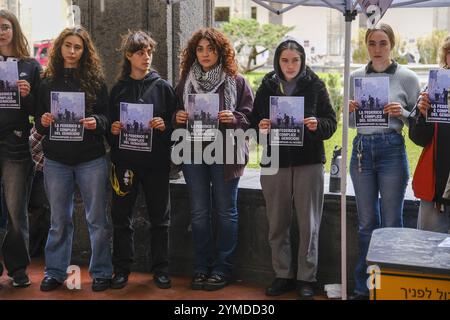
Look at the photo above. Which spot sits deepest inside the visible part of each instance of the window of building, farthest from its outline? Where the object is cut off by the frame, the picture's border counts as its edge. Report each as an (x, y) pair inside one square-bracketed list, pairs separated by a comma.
[(335, 28), (254, 13), (222, 14)]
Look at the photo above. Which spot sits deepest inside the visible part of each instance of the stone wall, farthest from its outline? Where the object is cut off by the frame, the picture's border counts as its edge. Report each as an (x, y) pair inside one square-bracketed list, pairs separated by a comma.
[(169, 25), (253, 258)]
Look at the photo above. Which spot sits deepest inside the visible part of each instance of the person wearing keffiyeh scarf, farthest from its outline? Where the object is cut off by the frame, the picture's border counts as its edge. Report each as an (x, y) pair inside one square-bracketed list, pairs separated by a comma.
[(208, 66), (210, 81)]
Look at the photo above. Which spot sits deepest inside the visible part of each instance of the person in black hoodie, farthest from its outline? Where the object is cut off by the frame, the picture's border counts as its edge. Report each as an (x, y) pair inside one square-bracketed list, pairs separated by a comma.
[(16, 167), (300, 176), (131, 168), (74, 66), (434, 213)]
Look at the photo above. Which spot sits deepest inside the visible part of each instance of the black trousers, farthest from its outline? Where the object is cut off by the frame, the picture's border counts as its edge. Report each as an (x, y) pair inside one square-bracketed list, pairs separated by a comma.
[(125, 185)]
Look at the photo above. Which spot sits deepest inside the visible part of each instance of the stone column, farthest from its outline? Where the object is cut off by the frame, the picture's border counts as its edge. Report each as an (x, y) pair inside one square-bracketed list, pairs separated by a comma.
[(169, 25)]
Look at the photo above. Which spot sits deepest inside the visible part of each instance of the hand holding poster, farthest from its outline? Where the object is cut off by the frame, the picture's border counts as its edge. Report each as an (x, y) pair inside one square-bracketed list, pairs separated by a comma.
[(68, 109), (203, 110), (438, 91), (136, 133), (372, 94), (286, 118), (9, 90)]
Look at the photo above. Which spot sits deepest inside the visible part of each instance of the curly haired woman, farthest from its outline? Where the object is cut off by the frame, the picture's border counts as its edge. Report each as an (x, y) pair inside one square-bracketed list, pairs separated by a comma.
[(208, 66)]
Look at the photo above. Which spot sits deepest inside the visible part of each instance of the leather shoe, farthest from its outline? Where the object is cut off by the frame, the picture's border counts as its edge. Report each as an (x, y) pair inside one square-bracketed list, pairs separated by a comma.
[(119, 281), (215, 282), (49, 284), (306, 290), (280, 286), (100, 284), (198, 281), (162, 281), (358, 296)]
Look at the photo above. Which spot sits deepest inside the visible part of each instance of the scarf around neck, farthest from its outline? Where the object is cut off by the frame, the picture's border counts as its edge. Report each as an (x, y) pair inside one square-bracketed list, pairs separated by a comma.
[(199, 81)]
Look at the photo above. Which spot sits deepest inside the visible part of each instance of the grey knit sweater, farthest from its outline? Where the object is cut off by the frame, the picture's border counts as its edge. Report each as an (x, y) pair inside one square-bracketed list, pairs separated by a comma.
[(404, 88)]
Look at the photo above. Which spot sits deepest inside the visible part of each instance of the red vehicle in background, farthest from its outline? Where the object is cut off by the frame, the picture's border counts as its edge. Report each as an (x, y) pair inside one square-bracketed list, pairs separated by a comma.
[(41, 51)]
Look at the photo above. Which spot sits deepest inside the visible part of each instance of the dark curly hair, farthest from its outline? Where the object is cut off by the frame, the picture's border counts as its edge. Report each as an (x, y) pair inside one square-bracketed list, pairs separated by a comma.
[(218, 41), (89, 71)]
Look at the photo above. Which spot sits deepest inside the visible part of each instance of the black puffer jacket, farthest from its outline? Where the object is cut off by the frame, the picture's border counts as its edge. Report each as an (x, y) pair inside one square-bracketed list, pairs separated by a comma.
[(317, 104), (421, 133), (164, 101)]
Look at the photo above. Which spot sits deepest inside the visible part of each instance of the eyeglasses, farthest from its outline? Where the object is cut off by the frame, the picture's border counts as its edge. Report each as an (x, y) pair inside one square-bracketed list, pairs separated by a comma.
[(5, 27)]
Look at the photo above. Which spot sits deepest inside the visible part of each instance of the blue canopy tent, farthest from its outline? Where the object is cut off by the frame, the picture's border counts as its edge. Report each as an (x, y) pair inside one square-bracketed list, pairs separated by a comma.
[(349, 8)]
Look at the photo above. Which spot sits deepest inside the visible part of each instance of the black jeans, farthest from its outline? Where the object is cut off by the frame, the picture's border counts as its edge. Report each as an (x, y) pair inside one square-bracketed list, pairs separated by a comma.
[(16, 178), (155, 185)]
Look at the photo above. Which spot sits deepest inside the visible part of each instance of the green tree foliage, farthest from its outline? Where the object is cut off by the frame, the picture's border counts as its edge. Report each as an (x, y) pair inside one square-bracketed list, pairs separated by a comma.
[(429, 46), (360, 54), (247, 34), (333, 82)]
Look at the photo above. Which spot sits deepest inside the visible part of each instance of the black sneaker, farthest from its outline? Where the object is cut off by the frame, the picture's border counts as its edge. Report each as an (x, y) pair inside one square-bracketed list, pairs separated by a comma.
[(215, 282), (49, 284), (358, 296), (21, 280), (119, 281), (162, 281), (198, 281), (100, 284), (306, 290), (280, 286)]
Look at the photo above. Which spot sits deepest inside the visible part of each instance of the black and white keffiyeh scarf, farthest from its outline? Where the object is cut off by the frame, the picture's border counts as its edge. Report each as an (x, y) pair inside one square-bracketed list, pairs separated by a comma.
[(208, 82)]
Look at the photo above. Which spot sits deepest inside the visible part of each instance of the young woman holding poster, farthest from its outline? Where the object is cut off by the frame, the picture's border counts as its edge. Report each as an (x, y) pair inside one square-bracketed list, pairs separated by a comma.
[(131, 166), (378, 166), (300, 176), (16, 167), (74, 66), (434, 210), (208, 66)]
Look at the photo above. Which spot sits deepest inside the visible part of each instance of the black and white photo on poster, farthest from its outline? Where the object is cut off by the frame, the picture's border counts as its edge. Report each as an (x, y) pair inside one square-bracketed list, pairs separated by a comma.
[(438, 92), (286, 120), (67, 108), (136, 133), (9, 89), (203, 119), (372, 94)]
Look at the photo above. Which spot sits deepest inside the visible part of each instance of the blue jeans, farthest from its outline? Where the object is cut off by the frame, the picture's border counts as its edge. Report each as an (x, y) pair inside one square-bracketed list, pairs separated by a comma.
[(59, 180), (202, 180), (16, 179), (380, 182)]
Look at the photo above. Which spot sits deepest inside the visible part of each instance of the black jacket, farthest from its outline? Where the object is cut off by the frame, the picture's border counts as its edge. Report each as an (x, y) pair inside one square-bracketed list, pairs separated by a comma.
[(15, 123), (317, 104), (73, 152), (421, 133), (164, 101)]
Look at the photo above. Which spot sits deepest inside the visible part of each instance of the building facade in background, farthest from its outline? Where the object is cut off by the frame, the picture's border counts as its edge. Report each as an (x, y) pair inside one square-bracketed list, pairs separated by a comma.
[(321, 30)]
